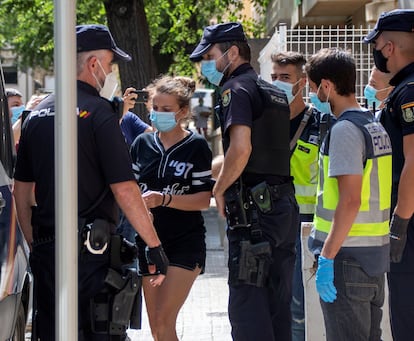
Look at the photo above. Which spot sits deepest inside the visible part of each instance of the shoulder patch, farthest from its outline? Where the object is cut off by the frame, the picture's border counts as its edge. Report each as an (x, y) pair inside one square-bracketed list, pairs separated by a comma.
[(407, 112), (226, 97), (84, 114)]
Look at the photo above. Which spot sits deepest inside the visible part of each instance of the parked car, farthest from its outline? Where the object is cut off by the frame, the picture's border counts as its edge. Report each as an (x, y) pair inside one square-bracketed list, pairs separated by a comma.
[(15, 277)]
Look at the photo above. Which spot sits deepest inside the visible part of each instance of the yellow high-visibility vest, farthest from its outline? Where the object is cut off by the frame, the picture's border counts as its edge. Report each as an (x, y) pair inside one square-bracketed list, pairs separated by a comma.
[(304, 169), (371, 226)]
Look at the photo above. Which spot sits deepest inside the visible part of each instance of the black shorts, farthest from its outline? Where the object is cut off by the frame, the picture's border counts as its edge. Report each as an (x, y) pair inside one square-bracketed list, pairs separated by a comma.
[(188, 253)]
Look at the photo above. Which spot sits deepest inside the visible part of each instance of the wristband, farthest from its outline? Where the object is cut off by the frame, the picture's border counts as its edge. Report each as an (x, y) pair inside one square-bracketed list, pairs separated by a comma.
[(169, 200), (163, 199)]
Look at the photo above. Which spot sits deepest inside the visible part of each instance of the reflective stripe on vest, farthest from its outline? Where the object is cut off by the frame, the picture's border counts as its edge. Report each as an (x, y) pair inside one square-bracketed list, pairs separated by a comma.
[(371, 225), (304, 169)]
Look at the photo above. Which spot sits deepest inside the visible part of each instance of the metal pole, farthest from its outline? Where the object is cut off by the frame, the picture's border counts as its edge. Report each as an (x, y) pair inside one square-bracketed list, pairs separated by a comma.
[(66, 172)]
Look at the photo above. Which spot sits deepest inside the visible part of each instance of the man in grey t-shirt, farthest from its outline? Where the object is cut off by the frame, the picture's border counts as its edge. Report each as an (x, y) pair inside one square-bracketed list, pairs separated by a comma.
[(350, 236)]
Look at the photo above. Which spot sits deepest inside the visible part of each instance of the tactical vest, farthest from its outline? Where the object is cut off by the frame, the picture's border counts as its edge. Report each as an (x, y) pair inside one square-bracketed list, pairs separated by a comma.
[(270, 133), (368, 236), (304, 165)]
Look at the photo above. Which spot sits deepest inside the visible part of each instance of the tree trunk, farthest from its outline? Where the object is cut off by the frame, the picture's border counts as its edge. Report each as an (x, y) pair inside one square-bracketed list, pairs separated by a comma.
[(128, 24)]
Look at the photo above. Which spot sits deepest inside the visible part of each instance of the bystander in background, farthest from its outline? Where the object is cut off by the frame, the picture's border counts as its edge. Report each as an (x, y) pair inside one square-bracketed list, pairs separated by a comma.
[(201, 113)]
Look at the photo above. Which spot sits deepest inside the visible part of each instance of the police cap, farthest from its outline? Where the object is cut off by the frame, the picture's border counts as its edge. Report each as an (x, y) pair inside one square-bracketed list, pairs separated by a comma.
[(401, 20), (219, 33), (97, 37)]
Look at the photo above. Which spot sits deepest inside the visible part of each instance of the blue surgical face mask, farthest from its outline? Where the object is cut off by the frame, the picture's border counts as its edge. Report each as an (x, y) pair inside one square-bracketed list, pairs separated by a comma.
[(370, 94), (324, 107), (287, 89), (16, 112), (163, 121), (209, 70)]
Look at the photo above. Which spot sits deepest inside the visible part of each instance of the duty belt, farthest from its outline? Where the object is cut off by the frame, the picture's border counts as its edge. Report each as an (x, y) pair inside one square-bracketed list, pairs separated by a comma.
[(279, 191)]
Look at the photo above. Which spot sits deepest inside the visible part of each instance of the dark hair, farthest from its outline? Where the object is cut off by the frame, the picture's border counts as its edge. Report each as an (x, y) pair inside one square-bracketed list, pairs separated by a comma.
[(290, 58), (243, 46), (336, 65)]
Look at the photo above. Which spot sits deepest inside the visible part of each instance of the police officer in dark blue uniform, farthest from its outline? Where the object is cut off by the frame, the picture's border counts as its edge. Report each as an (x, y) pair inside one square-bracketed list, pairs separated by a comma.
[(393, 40), (254, 188), (105, 178)]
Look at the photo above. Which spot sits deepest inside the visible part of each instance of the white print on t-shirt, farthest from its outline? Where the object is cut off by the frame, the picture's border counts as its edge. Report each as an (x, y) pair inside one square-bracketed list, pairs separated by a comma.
[(171, 189), (175, 190), (181, 168), (143, 187)]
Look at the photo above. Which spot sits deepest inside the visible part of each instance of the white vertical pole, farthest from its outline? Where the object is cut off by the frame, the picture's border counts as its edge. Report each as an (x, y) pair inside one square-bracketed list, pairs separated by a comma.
[(66, 179), (283, 37)]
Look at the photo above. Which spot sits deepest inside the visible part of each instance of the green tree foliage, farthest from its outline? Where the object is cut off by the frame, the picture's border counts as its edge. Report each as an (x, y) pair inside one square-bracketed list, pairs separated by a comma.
[(175, 26), (27, 25)]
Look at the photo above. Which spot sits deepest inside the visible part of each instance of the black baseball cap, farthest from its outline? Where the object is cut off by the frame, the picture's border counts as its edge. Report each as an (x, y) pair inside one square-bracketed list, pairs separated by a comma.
[(232, 31), (97, 37), (401, 20)]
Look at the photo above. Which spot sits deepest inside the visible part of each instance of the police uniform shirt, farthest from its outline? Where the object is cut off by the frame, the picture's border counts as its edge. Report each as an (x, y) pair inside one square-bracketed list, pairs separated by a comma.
[(103, 157), (240, 99), (241, 104), (398, 121), (178, 170)]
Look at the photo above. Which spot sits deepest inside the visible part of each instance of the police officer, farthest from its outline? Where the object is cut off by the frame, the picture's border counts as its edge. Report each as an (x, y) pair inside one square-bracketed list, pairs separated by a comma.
[(305, 127), (104, 179), (377, 89), (393, 41), (351, 219), (255, 188)]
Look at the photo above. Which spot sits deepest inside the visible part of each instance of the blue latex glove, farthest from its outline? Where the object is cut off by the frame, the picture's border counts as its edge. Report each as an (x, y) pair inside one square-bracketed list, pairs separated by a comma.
[(325, 278)]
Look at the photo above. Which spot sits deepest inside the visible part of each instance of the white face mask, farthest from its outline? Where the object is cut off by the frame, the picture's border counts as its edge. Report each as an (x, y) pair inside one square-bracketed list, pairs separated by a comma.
[(110, 85)]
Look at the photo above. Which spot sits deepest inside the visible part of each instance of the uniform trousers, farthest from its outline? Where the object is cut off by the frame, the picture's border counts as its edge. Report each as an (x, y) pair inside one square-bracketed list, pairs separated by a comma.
[(263, 313), (401, 298), (91, 275)]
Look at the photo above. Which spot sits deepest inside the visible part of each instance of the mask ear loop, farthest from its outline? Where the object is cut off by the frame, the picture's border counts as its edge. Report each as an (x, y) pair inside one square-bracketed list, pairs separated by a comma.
[(96, 78), (181, 119), (299, 91), (327, 97), (229, 63), (388, 87), (329, 92)]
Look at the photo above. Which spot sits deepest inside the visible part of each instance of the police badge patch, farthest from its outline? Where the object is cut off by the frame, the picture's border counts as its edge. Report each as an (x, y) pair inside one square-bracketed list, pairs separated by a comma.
[(226, 97), (407, 112)]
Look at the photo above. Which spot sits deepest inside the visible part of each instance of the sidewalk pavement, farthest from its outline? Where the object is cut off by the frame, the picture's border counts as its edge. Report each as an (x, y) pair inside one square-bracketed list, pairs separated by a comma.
[(204, 314)]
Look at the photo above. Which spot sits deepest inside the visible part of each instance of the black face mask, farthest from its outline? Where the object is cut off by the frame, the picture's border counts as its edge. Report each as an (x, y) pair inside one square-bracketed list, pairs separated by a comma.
[(380, 61)]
